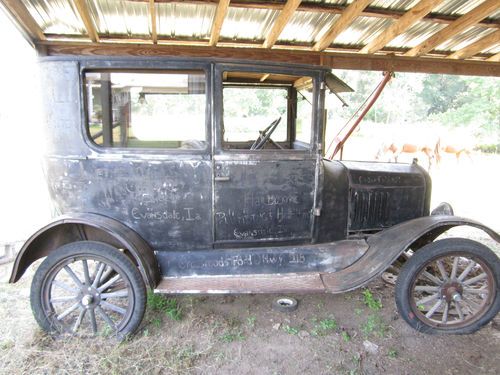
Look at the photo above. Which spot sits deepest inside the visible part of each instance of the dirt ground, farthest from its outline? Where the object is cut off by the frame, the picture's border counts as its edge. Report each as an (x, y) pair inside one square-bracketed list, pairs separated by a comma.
[(327, 334)]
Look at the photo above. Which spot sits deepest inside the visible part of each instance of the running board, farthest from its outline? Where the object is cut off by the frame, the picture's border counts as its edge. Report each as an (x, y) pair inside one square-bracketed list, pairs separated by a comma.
[(242, 284)]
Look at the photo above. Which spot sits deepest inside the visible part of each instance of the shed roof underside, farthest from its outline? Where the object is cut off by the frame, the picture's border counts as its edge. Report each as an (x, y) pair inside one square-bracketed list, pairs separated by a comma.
[(449, 36)]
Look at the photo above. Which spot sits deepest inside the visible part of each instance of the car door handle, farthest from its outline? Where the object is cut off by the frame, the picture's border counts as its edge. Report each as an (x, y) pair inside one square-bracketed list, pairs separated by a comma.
[(222, 178)]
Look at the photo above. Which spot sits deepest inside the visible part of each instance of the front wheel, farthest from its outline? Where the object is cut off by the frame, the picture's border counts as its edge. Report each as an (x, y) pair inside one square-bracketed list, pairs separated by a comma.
[(88, 287), (449, 286)]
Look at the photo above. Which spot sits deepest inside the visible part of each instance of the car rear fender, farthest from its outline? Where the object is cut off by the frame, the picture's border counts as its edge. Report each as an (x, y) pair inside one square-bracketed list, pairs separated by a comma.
[(82, 227)]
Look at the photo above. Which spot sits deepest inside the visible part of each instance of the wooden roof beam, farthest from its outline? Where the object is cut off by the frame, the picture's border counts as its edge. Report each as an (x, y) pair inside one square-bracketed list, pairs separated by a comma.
[(330, 60), (400, 26), (346, 18), (494, 58), (220, 14), (83, 10), (24, 18), (280, 23), (488, 41), (467, 20), (152, 13)]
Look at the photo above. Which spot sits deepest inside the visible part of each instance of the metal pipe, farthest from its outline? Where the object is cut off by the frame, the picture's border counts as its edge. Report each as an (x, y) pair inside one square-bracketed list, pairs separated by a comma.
[(376, 94)]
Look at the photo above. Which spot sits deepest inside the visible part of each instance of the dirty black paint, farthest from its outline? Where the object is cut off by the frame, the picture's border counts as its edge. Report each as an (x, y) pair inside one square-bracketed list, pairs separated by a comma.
[(180, 201), (329, 257)]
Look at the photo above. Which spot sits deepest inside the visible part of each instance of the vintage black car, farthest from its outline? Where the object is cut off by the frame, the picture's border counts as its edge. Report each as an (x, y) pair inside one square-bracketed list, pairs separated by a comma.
[(207, 176)]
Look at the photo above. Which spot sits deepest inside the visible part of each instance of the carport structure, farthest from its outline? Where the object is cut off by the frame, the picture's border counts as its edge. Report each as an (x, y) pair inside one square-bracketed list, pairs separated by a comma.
[(432, 36)]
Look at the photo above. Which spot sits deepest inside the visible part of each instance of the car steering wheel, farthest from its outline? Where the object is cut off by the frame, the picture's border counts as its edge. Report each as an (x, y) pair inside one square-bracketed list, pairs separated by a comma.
[(265, 135)]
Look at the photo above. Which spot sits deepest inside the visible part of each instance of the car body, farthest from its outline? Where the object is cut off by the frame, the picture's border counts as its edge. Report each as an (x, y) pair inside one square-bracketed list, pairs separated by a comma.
[(213, 210)]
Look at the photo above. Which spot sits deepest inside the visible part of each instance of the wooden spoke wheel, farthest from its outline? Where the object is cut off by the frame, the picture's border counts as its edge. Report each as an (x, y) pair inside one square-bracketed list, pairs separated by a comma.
[(88, 288), (449, 286)]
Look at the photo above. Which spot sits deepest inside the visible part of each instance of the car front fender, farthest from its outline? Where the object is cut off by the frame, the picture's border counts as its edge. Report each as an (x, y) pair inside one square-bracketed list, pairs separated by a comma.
[(386, 246)]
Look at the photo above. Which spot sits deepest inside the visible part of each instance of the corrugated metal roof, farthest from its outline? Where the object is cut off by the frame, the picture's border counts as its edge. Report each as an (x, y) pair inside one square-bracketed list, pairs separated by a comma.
[(193, 21), (416, 34), (462, 40), (115, 17), (362, 31), (248, 24), (185, 20), (55, 16), (307, 27)]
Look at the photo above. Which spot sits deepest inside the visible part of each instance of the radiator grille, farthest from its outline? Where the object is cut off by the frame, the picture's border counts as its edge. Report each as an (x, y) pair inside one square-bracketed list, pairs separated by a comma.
[(369, 209)]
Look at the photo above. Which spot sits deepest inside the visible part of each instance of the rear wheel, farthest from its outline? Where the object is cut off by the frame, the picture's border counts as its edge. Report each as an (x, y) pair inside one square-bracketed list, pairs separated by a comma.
[(449, 286), (88, 288)]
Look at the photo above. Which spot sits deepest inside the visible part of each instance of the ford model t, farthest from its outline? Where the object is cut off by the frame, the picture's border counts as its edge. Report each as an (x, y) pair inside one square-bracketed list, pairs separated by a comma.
[(207, 176)]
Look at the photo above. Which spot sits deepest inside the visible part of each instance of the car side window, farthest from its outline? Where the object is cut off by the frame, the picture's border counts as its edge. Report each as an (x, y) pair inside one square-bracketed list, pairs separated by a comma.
[(266, 111), (147, 109)]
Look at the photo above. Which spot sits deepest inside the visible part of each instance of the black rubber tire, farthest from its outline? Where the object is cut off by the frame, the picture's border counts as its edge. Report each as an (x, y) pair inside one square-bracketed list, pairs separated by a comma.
[(433, 251), (285, 304), (91, 249)]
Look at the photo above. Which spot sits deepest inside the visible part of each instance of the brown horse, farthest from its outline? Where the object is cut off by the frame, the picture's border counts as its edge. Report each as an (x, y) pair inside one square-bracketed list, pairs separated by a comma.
[(450, 148), (395, 150)]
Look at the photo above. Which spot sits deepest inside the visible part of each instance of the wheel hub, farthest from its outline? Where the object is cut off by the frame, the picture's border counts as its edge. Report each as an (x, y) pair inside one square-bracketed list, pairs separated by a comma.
[(87, 300), (452, 291), (90, 297)]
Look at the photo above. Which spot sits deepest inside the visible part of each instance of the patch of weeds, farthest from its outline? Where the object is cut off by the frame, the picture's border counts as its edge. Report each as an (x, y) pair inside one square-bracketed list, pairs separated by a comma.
[(324, 326), (290, 330), (320, 305), (345, 336), (168, 306), (156, 322), (393, 353), (8, 344), (370, 301), (374, 325), (358, 311), (232, 336), (107, 331), (182, 358), (251, 321), (356, 359)]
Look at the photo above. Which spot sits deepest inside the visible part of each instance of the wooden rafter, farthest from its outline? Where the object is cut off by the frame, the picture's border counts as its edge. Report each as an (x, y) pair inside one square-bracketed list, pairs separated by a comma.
[(152, 13), (464, 22), (494, 58), (83, 10), (220, 14), (400, 26), (264, 77), (488, 41), (347, 17), (23, 16), (280, 23)]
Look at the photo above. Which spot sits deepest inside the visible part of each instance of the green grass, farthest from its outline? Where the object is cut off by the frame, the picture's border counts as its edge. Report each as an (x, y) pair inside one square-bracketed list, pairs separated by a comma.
[(345, 336), (324, 326), (251, 321), (290, 330), (232, 336), (370, 301), (374, 325), (168, 306), (393, 353)]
